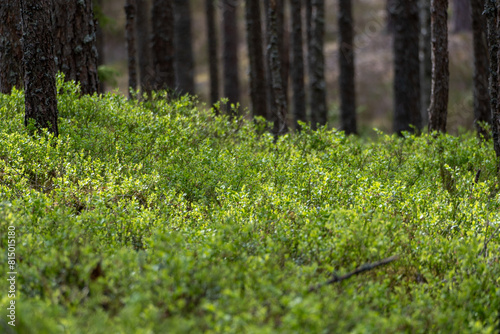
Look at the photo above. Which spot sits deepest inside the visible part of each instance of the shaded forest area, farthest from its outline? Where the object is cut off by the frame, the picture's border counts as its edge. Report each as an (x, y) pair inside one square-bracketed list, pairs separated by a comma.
[(295, 56), (373, 60)]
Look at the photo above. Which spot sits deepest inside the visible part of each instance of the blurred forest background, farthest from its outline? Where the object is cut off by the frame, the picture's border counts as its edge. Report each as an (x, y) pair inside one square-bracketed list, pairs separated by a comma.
[(373, 57)]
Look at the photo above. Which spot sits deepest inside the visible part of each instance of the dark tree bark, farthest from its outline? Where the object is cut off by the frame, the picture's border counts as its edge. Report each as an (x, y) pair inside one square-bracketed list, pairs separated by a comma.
[(299, 98), (347, 75), (491, 12), (11, 68), (99, 42), (283, 45), (39, 65), (97, 8), (271, 106), (482, 113), (280, 105), (308, 15), (162, 42), (319, 111), (212, 52), (309, 31), (462, 19), (390, 18), (230, 53), (406, 66), (425, 59), (438, 109), (184, 61), (75, 48), (258, 92), (130, 13), (146, 73)]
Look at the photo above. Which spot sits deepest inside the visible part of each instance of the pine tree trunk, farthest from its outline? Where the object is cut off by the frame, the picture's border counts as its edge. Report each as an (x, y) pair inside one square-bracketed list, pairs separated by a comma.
[(283, 45), (130, 14), (425, 59), (258, 92), (11, 53), (230, 54), (462, 19), (390, 17), (212, 52), (438, 109), (297, 68), (347, 74), (143, 22), (279, 118), (319, 111), (310, 67), (99, 41), (162, 44), (406, 66), (75, 48), (271, 106), (482, 112), (491, 12), (39, 65), (184, 62), (97, 8)]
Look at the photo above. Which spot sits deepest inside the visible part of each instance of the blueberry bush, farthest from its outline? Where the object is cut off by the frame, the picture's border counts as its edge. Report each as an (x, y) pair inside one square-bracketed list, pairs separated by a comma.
[(158, 216)]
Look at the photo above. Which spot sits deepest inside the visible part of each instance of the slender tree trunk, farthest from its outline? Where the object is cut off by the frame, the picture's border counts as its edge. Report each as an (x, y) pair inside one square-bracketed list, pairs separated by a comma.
[(99, 42), (283, 45), (425, 59), (271, 106), (258, 92), (462, 19), (279, 118), (162, 42), (438, 109), (39, 65), (212, 52), (184, 61), (230, 53), (347, 74), (319, 111), (11, 67), (491, 11), (406, 66), (97, 6), (299, 98), (310, 65), (143, 22), (482, 113), (75, 48), (390, 18), (130, 37)]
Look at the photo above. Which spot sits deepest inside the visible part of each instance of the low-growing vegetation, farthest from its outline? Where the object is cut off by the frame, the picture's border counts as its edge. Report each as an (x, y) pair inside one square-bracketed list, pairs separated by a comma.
[(161, 217)]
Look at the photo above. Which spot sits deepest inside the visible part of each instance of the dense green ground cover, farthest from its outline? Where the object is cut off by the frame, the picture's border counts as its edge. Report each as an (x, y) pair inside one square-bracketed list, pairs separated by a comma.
[(162, 218)]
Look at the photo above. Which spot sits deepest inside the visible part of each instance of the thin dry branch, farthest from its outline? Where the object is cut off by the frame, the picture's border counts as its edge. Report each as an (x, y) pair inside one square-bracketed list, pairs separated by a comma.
[(359, 270), (476, 179), (484, 251)]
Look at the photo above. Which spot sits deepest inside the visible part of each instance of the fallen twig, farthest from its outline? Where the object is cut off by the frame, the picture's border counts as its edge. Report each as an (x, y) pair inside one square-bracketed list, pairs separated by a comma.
[(476, 179), (486, 242), (359, 270)]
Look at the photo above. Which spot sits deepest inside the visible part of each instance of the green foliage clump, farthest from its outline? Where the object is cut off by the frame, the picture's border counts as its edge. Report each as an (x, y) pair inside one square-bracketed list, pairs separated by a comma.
[(159, 216)]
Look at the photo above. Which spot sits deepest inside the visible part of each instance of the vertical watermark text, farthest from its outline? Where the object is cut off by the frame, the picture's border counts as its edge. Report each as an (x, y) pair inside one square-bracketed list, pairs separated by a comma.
[(11, 274)]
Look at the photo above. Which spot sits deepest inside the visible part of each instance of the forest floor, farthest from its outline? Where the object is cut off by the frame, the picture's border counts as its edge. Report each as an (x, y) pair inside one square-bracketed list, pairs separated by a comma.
[(160, 217)]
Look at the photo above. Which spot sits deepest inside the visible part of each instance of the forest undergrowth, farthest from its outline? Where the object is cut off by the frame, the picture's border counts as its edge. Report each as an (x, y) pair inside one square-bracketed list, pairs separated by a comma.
[(158, 216)]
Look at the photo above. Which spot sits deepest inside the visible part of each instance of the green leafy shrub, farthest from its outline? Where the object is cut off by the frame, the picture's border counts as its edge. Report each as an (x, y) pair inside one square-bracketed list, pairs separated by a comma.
[(158, 216)]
